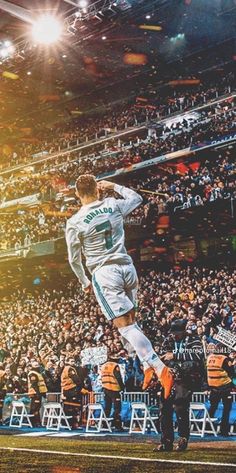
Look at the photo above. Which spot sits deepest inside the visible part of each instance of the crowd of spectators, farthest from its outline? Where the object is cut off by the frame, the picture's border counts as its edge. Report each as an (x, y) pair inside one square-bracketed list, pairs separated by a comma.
[(82, 129), (172, 186), (212, 127), (54, 325), (192, 183), (188, 135), (24, 228), (18, 187)]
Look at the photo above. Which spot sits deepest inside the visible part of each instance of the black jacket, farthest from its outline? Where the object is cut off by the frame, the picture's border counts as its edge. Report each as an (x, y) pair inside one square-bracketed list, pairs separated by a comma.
[(188, 361)]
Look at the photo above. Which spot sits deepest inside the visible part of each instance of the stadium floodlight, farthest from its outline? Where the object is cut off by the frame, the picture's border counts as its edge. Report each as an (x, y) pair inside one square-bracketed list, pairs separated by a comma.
[(47, 29), (4, 53), (6, 49), (83, 3)]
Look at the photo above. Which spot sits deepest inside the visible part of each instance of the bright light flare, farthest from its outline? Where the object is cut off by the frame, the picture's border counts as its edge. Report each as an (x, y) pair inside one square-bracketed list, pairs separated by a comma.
[(47, 29), (7, 50), (83, 3)]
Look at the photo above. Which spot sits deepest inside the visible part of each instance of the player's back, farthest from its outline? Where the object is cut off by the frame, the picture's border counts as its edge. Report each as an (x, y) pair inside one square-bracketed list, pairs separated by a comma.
[(100, 230)]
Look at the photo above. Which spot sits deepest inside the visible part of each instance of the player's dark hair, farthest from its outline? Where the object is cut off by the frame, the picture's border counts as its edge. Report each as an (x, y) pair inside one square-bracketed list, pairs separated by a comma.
[(86, 185)]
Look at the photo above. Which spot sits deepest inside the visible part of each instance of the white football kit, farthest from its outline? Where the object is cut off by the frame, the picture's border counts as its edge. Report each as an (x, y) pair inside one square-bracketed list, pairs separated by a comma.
[(97, 230)]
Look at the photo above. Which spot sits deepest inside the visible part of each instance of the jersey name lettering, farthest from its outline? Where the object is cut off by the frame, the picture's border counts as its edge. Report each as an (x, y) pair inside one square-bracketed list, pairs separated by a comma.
[(96, 212)]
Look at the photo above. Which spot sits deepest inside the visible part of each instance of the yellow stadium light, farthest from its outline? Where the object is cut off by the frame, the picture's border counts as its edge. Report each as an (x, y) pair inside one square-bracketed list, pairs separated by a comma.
[(10, 75), (150, 27), (47, 29)]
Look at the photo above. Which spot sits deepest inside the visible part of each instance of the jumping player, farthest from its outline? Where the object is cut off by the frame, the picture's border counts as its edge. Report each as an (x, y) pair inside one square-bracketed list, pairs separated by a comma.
[(97, 230)]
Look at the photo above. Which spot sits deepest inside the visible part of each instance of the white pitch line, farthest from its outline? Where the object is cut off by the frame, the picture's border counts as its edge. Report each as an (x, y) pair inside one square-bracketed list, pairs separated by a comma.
[(32, 434), (116, 457)]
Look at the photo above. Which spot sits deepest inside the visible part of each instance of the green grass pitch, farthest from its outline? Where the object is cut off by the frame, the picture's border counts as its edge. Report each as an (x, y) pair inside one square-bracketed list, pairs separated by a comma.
[(12, 461)]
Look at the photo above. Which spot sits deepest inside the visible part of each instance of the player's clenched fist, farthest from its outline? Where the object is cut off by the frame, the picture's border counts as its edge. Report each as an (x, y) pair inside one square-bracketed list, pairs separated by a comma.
[(105, 185), (88, 289)]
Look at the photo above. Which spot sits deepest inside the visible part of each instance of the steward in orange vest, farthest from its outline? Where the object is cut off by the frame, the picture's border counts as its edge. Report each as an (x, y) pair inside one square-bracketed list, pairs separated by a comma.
[(71, 386), (112, 384), (111, 377), (219, 374), (218, 371), (37, 389), (68, 378), (36, 383)]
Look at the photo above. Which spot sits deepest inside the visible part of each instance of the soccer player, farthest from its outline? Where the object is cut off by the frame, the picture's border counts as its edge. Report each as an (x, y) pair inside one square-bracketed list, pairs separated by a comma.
[(97, 230)]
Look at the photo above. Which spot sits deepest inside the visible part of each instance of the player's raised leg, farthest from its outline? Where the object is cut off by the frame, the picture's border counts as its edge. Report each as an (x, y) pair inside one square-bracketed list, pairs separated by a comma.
[(111, 285)]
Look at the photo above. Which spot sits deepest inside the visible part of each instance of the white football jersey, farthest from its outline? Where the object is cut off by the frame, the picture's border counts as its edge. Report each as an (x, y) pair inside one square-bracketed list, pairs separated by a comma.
[(97, 230)]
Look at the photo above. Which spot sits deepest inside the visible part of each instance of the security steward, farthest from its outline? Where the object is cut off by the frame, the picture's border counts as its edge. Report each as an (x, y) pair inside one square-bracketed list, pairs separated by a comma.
[(71, 386), (220, 372), (184, 354), (37, 390), (112, 384)]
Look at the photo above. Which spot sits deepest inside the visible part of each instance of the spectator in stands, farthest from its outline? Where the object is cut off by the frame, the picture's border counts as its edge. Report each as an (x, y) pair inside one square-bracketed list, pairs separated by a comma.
[(49, 319)]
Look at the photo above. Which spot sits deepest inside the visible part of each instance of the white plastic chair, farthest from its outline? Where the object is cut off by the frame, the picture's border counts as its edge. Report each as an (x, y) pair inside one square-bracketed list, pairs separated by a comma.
[(198, 424), (19, 415), (46, 410), (54, 417), (100, 422), (141, 416)]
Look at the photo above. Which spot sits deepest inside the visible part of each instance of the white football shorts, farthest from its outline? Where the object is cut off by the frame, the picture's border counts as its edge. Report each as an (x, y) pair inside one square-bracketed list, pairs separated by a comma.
[(115, 287)]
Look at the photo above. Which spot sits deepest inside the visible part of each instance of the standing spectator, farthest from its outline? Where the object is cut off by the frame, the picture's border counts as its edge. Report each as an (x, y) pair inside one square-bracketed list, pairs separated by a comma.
[(41, 218), (20, 381)]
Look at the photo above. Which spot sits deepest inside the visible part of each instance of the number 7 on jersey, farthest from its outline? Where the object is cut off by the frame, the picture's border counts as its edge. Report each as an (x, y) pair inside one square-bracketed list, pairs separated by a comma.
[(107, 229)]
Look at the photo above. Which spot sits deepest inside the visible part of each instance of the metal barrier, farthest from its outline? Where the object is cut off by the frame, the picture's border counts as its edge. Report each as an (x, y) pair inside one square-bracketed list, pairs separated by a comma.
[(199, 397), (53, 397), (136, 397), (202, 396), (94, 397), (126, 397)]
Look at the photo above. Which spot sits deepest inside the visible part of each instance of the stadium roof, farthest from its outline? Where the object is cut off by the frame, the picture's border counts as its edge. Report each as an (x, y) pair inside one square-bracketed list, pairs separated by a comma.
[(109, 49)]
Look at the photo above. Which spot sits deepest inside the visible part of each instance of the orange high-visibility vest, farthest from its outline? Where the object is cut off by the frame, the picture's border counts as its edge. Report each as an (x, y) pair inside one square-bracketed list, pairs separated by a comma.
[(41, 383), (109, 381), (2, 376), (216, 375), (66, 381)]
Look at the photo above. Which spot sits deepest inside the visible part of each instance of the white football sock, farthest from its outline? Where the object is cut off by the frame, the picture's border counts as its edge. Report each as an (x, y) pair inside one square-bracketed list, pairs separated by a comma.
[(142, 346)]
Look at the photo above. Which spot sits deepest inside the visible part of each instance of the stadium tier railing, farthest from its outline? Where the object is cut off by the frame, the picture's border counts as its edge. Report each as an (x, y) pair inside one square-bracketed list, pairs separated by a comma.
[(135, 396), (77, 145)]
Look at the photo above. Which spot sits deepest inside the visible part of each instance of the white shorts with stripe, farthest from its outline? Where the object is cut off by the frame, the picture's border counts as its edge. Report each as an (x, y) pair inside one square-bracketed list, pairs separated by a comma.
[(115, 287)]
